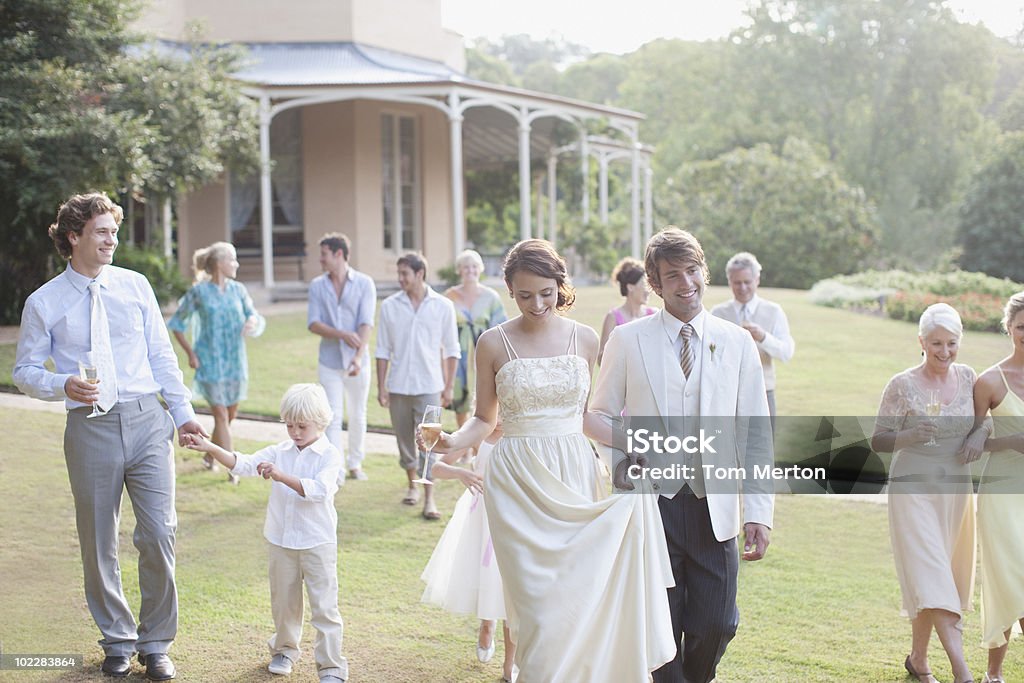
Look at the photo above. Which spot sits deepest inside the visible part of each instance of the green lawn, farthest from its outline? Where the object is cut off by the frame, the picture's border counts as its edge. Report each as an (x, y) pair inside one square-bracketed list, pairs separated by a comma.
[(842, 361), (823, 606)]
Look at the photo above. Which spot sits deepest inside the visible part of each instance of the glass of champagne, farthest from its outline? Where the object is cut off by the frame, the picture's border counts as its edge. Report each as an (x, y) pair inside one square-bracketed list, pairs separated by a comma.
[(430, 429), (934, 409), (87, 371)]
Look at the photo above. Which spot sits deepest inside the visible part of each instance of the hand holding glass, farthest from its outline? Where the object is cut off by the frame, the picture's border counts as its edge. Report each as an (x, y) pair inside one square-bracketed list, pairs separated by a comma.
[(430, 430), (934, 409), (87, 371)]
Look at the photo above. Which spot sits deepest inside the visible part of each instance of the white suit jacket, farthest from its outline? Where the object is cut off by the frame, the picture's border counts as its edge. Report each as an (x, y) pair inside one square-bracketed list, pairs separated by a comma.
[(633, 380)]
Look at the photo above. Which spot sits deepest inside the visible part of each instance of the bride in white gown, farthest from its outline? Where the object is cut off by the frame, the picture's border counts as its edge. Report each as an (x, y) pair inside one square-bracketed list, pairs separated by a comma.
[(584, 573)]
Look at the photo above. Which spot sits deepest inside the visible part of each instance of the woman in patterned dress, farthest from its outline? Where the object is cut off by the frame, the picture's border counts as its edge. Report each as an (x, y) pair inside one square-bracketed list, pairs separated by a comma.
[(221, 313), (477, 308)]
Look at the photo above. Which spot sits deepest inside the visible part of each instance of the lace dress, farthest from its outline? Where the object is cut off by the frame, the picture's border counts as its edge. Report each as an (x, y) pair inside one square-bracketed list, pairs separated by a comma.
[(1001, 528), (585, 574), (931, 499)]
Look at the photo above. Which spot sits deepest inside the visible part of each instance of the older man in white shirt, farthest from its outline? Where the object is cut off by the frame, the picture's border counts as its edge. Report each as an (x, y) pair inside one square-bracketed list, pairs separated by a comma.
[(417, 350), (764, 320), (106, 318)]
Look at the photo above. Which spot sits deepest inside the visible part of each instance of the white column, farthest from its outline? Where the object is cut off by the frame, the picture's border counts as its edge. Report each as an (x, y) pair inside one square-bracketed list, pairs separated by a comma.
[(602, 187), (524, 175), (585, 172), (648, 205), (458, 178), (635, 197), (552, 200), (266, 199), (167, 228), (539, 218)]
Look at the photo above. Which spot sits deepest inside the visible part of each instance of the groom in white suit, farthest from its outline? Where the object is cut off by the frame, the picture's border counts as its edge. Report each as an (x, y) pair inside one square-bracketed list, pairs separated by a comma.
[(684, 365)]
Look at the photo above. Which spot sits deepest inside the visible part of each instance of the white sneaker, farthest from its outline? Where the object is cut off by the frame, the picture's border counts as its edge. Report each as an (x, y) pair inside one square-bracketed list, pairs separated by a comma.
[(280, 665)]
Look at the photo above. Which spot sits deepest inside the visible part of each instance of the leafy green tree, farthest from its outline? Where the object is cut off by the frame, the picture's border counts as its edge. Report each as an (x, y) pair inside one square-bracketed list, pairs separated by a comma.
[(793, 210), (991, 230), (484, 66), (81, 111), (595, 80), (894, 89)]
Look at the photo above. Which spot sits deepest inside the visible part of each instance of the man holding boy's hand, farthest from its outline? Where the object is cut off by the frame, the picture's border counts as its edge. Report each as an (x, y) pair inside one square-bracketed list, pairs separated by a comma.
[(102, 323)]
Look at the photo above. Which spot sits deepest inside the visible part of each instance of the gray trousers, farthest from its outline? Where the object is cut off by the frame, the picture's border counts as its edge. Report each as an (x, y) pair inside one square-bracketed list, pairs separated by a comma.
[(406, 412), (128, 448)]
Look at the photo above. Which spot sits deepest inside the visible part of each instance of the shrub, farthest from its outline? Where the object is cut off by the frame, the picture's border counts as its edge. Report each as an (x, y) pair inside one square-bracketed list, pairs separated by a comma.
[(981, 312), (162, 273), (977, 297)]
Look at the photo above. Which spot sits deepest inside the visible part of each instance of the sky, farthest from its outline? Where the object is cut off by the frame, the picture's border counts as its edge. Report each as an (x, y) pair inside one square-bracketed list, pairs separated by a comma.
[(619, 27)]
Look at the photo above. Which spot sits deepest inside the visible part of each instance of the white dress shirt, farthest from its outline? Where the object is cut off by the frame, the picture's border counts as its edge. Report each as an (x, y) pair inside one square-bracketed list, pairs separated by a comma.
[(293, 521), (56, 324), (414, 341), (777, 342)]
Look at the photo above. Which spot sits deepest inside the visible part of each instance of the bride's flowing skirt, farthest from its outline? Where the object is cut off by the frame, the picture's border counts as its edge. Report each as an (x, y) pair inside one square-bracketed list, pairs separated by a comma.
[(585, 574)]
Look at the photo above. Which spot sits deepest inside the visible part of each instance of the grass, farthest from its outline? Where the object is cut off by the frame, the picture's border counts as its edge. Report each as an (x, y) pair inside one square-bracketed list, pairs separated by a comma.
[(841, 365), (823, 606)]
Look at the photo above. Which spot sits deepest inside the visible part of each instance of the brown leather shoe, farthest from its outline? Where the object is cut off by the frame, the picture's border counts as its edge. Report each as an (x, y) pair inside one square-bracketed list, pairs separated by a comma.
[(159, 666)]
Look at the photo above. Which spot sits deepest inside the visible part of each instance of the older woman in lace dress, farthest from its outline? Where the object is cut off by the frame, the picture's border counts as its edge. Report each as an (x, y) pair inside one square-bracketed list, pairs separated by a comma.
[(926, 418)]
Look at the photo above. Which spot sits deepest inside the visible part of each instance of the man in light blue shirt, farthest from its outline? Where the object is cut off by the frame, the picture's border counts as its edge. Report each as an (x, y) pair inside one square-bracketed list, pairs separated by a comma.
[(102, 310), (341, 306)]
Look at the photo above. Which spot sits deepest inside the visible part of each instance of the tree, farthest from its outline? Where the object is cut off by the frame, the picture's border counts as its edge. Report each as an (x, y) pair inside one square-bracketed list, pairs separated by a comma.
[(991, 229), (894, 89), (80, 111), (793, 210)]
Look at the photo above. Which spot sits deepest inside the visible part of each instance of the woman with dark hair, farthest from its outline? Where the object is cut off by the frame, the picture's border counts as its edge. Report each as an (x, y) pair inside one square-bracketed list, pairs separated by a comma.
[(585, 574), (632, 281)]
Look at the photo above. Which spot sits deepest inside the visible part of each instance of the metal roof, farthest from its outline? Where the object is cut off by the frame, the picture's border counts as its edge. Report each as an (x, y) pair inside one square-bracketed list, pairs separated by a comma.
[(343, 63)]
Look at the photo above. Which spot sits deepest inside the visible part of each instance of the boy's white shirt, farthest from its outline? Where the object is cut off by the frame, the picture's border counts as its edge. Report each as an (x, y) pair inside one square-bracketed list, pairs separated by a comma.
[(293, 521)]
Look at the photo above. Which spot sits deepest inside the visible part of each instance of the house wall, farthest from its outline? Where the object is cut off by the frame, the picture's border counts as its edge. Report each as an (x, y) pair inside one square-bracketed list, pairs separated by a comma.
[(437, 240), (329, 171), (202, 220), (419, 32), (342, 190)]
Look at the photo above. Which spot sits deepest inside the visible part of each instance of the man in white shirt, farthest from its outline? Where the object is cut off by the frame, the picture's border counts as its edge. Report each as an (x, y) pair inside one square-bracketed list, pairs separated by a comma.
[(107, 317), (341, 306), (764, 320), (417, 350)]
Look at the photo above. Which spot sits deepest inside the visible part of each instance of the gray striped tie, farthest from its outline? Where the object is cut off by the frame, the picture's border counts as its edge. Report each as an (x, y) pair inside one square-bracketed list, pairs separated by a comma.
[(686, 355)]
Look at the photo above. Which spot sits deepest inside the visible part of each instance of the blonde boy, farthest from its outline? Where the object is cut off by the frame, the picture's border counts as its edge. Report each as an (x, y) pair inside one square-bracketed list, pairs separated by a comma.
[(301, 527)]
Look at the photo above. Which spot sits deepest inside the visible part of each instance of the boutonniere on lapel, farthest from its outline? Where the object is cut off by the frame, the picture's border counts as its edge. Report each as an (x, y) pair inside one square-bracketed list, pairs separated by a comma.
[(711, 347)]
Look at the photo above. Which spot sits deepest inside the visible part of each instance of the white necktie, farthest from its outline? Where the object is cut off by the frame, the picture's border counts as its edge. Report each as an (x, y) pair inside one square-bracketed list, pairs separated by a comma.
[(102, 354), (686, 354), (744, 314)]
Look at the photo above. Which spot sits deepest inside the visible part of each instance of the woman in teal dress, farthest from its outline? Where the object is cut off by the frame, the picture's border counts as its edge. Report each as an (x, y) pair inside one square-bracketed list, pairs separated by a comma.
[(477, 308), (221, 313)]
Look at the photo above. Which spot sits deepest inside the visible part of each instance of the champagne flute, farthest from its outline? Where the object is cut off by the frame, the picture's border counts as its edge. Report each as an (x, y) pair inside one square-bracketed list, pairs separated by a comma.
[(933, 408), (88, 372), (430, 429)]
